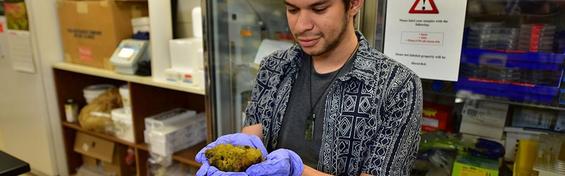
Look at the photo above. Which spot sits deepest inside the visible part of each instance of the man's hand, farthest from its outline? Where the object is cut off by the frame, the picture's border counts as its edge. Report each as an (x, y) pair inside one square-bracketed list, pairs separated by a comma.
[(281, 162), (256, 130), (309, 171)]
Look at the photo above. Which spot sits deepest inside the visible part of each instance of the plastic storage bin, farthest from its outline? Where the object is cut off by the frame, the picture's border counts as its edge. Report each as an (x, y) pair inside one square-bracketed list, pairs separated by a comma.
[(91, 92), (123, 124), (525, 76)]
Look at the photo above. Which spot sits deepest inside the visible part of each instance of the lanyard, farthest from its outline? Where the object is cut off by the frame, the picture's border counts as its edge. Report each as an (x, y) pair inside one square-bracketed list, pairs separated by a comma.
[(311, 120)]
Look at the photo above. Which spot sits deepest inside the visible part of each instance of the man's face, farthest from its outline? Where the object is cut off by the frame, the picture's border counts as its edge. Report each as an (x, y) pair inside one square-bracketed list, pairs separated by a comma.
[(317, 25)]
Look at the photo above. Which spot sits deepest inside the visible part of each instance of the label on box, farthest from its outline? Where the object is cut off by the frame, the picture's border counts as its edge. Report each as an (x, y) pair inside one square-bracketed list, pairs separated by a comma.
[(429, 122), (85, 54), (472, 171), (84, 33)]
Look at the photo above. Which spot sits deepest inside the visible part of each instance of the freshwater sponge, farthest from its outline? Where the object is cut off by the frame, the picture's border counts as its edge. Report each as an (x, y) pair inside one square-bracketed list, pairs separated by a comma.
[(230, 158)]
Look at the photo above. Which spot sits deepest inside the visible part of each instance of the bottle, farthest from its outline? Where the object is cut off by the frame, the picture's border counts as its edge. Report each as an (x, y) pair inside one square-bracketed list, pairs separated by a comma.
[(71, 110)]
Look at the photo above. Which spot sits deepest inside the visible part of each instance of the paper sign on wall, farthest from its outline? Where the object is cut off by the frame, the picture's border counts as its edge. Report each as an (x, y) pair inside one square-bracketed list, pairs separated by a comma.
[(426, 36), (19, 48), (20, 51)]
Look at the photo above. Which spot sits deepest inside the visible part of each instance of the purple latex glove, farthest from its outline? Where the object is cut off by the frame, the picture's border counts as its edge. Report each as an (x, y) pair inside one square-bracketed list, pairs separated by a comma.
[(206, 169), (238, 139), (281, 162)]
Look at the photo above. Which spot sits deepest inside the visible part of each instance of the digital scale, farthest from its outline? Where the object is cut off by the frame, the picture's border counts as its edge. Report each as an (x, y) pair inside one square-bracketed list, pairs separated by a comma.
[(128, 54)]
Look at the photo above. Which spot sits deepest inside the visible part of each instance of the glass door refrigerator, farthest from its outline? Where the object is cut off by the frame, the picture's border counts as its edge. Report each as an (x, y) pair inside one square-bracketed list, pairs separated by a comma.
[(238, 33), (234, 32)]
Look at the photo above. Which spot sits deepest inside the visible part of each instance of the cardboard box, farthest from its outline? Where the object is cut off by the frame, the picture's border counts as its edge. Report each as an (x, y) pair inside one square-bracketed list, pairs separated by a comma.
[(436, 117), (101, 154), (91, 30)]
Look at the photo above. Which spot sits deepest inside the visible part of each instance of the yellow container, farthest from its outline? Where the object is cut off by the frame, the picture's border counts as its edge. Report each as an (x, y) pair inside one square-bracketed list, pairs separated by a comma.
[(525, 157)]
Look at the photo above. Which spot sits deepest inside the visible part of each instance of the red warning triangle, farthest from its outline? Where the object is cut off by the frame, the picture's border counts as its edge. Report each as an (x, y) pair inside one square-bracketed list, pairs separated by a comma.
[(422, 9)]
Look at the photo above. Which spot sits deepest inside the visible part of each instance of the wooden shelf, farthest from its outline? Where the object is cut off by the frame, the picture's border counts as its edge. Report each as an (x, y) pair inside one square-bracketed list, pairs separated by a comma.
[(144, 147), (100, 135), (147, 96), (129, 78), (185, 156)]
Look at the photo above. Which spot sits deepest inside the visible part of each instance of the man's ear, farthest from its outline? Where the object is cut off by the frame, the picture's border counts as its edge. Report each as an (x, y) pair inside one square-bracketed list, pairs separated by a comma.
[(355, 6)]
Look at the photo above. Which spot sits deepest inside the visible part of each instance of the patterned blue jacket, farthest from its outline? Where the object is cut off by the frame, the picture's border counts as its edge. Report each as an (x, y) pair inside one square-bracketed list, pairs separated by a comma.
[(372, 113)]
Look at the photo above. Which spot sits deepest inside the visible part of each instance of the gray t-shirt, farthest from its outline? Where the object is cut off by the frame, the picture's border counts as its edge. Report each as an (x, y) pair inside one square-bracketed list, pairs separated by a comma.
[(298, 110)]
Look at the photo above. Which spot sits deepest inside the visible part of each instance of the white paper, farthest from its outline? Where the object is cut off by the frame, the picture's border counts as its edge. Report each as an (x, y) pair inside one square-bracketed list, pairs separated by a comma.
[(20, 51), (426, 36)]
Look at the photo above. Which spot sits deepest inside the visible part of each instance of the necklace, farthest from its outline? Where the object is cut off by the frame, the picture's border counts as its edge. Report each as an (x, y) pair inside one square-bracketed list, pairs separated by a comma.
[(311, 120)]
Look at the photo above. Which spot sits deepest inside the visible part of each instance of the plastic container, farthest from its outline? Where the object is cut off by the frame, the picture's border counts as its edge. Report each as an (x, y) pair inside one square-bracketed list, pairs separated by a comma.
[(537, 37), (513, 135), (517, 76), (91, 92), (166, 140), (533, 118), (171, 117), (123, 125), (525, 157), (126, 99), (71, 110), (492, 36)]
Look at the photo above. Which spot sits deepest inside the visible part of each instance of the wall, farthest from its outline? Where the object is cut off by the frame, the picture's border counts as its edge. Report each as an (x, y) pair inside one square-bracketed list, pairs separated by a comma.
[(1, 143), (29, 120)]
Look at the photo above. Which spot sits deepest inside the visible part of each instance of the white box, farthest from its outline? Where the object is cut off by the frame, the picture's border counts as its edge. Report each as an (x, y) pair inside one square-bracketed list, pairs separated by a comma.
[(188, 77), (485, 119), (187, 54), (166, 140), (123, 124), (177, 115)]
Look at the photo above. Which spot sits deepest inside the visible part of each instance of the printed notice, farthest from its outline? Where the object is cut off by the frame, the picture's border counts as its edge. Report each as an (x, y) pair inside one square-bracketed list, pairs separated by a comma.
[(426, 36), (20, 51)]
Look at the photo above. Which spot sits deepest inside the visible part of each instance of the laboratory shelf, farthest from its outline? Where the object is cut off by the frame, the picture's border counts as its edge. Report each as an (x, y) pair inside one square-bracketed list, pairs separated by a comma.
[(147, 97), (185, 156), (129, 78), (100, 135)]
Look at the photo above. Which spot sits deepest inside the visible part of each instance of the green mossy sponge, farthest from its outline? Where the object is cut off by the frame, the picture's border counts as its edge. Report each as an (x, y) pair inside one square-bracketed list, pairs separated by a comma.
[(230, 158)]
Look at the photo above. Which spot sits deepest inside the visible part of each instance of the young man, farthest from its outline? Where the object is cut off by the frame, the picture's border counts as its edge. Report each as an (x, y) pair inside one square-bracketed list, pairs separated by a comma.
[(343, 107)]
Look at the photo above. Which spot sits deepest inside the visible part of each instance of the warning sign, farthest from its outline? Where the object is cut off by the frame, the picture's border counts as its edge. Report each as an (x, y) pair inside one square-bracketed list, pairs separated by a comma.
[(425, 40), (424, 7)]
